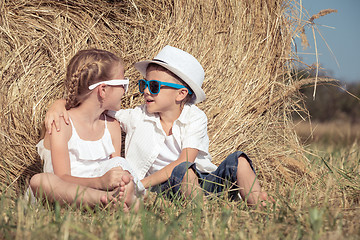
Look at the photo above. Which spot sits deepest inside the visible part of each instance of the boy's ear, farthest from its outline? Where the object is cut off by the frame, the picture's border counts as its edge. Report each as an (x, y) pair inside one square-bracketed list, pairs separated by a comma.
[(182, 93)]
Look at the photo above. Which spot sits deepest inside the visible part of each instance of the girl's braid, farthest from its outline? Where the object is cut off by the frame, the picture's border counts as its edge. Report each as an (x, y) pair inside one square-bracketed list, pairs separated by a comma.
[(79, 81), (85, 68)]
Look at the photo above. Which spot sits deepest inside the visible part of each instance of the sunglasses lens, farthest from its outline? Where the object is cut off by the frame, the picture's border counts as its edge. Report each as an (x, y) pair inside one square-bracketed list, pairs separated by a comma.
[(142, 86), (154, 87)]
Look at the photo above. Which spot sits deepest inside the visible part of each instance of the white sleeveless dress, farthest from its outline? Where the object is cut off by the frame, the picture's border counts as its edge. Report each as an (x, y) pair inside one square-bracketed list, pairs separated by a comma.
[(87, 159)]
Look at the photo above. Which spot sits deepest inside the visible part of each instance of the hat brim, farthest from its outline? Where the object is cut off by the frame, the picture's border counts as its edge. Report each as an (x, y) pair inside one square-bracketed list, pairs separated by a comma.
[(199, 94)]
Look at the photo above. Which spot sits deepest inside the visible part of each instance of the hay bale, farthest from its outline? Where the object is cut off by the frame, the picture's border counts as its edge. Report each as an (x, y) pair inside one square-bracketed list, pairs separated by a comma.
[(244, 47)]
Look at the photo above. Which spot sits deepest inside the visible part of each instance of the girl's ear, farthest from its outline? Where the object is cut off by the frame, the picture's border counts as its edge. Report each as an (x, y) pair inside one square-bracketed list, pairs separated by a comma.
[(102, 90)]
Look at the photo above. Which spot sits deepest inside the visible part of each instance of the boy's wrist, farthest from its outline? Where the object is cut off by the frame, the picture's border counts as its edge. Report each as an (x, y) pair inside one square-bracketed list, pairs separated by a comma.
[(140, 190), (144, 183)]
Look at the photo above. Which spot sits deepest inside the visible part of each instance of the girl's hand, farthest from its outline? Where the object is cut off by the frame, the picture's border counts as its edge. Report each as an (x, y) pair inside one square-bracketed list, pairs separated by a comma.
[(113, 178), (54, 114)]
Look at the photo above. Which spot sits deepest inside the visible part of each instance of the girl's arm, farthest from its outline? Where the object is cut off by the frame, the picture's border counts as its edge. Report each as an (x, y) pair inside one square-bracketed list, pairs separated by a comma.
[(61, 162), (54, 114), (187, 154), (115, 132)]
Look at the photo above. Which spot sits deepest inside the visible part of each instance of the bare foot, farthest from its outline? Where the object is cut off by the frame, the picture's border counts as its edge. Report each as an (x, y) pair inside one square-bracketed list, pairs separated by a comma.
[(127, 194), (110, 198), (265, 200), (260, 199)]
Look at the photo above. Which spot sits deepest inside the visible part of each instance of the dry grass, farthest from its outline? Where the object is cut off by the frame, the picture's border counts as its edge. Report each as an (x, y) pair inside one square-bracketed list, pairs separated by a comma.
[(339, 132), (328, 208), (244, 46)]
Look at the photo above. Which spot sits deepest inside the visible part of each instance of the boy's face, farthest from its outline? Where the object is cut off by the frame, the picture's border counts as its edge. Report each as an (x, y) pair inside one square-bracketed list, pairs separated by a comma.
[(166, 99)]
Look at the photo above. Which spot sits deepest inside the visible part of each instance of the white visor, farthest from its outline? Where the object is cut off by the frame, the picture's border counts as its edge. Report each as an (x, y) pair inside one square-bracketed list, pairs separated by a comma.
[(113, 82)]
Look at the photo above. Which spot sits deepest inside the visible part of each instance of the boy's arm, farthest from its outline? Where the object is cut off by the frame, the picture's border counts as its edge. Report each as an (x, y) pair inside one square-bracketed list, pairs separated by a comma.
[(195, 140), (54, 114), (187, 154)]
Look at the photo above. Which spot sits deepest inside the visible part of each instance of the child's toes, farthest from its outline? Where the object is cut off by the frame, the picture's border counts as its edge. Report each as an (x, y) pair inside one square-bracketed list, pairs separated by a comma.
[(104, 200), (126, 178)]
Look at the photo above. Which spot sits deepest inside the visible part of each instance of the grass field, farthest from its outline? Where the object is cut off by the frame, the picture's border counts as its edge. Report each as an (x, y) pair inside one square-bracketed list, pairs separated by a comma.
[(326, 207), (338, 132)]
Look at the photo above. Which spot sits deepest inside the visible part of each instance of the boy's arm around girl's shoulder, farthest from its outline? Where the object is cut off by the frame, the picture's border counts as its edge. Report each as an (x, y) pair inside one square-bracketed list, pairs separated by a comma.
[(128, 118), (55, 114)]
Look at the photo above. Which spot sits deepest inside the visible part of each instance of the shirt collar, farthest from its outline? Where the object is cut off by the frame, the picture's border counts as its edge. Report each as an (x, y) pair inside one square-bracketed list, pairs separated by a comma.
[(150, 116), (183, 118), (155, 117)]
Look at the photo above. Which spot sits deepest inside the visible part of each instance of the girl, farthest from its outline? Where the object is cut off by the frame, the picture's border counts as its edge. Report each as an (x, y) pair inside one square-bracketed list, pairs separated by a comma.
[(85, 155), (178, 155)]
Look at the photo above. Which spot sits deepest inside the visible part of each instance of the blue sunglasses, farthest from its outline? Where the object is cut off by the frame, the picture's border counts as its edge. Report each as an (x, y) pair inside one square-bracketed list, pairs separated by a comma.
[(155, 85)]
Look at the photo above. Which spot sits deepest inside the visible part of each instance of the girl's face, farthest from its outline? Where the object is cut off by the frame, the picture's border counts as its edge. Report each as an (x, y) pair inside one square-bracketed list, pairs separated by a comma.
[(166, 99), (116, 92)]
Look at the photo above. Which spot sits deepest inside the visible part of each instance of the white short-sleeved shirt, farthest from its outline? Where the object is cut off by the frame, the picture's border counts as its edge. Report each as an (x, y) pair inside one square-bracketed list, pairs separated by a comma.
[(145, 136)]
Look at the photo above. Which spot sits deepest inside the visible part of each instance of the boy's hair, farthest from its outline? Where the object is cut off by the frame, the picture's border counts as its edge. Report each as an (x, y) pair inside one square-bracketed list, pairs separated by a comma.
[(85, 68), (161, 68)]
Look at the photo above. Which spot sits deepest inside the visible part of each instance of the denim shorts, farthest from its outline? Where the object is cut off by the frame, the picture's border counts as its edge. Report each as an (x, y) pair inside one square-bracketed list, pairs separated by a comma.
[(218, 182)]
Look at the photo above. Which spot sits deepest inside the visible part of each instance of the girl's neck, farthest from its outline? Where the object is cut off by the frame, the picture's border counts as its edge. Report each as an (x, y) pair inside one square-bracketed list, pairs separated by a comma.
[(87, 112)]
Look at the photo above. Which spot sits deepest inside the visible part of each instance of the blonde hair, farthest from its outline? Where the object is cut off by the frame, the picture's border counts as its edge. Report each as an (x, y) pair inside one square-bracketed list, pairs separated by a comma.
[(85, 68)]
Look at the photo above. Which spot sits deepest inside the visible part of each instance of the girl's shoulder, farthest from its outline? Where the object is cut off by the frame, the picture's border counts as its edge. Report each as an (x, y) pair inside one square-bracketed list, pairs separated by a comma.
[(112, 122), (64, 134)]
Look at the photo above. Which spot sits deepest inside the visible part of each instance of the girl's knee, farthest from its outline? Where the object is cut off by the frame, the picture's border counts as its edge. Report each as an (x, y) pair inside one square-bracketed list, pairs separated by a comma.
[(35, 182), (42, 182)]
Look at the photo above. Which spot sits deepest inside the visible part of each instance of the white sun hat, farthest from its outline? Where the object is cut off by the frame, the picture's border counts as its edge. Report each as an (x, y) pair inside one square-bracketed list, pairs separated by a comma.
[(183, 65)]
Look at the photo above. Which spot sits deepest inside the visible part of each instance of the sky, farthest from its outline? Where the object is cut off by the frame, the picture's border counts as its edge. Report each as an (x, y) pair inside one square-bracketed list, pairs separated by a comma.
[(341, 31)]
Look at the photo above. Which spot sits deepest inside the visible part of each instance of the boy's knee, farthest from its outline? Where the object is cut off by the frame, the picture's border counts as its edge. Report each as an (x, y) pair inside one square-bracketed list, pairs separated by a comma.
[(189, 176), (180, 170), (244, 163)]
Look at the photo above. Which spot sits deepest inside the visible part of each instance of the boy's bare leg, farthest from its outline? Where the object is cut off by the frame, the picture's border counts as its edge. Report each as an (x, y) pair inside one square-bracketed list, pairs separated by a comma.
[(190, 187), (56, 189), (247, 181)]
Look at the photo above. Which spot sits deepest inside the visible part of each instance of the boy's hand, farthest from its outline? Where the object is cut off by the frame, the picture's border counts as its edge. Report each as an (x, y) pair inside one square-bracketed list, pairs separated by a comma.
[(56, 113)]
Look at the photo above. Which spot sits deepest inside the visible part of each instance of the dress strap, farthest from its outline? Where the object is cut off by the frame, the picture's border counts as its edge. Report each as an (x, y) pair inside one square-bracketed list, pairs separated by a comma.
[(71, 121), (105, 121), (91, 150), (72, 125)]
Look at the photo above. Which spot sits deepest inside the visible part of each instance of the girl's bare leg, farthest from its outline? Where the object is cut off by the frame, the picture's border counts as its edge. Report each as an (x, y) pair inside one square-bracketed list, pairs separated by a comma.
[(55, 189)]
